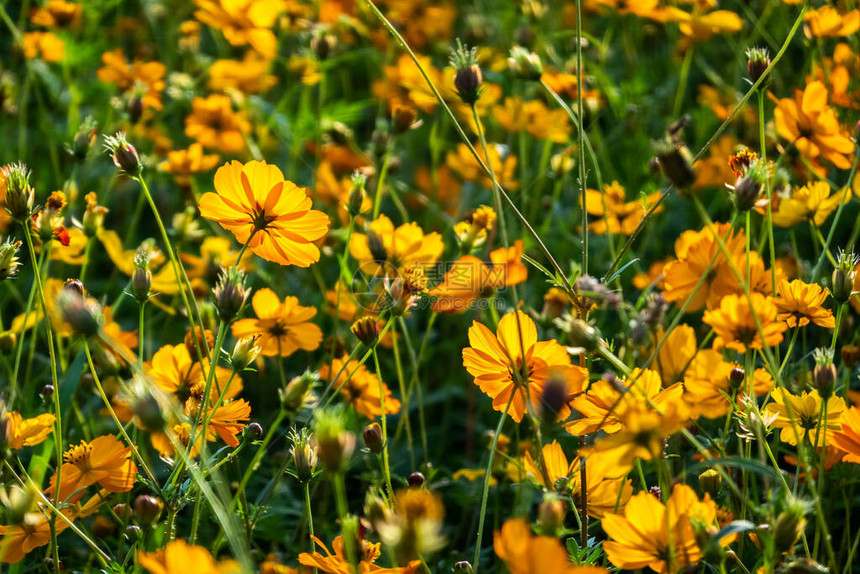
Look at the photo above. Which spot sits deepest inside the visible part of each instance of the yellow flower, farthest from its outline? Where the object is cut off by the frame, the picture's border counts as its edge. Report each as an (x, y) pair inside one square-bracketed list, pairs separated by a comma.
[(714, 170), (248, 76), (44, 45), (28, 432), (104, 460), (603, 406), (360, 387), (284, 326), (694, 251), (534, 117), (707, 384), (214, 124), (661, 537), (423, 21), (504, 165), (268, 213), (735, 325), (616, 215), (183, 163), (174, 371), (812, 202), (243, 22), (179, 557), (846, 436), (812, 125), (827, 22), (338, 562), (386, 249), (799, 303), (603, 482), (149, 75), (57, 14), (19, 540), (525, 553), (798, 416)]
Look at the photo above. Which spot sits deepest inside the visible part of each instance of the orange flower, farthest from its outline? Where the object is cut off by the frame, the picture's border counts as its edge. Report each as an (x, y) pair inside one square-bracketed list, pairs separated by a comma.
[(243, 22), (362, 388), (338, 563), (799, 416), (735, 325), (525, 553), (463, 163), (19, 540), (226, 422), (534, 118), (512, 365), (57, 14), (214, 124), (386, 249), (248, 76), (813, 202), (179, 557), (813, 127), (183, 163), (28, 432), (799, 303), (149, 75), (44, 45), (104, 461), (708, 384), (175, 372), (827, 22), (616, 215), (469, 279), (847, 436), (284, 326), (268, 213), (655, 535)]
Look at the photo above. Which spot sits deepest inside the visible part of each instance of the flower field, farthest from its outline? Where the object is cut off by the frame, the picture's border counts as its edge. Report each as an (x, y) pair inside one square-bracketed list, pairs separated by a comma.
[(429, 286)]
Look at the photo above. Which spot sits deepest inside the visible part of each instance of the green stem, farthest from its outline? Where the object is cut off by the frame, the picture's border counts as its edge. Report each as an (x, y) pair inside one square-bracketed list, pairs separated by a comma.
[(385, 466)]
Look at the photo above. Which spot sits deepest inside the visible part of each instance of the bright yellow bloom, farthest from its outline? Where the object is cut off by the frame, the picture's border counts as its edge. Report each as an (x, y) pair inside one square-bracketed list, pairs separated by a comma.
[(464, 164), (127, 77), (799, 303), (469, 278), (174, 371), (699, 24), (268, 213), (533, 117), (694, 251), (813, 127), (812, 202), (707, 383), (616, 215), (214, 124), (248, 76), (179, 557), (57, 14), (19, 540), (735, 325), (847, 435), (104, 460), (386, 249), (525, 553), (243, 22), (511, 365), (28, 432), (798, 416), (423, 21), (603, 406), (284, 326), (827, 22), (603, 482), (44, 45), (183, 163), (661, 537), (361, 389), (338, 563), (676, 353)]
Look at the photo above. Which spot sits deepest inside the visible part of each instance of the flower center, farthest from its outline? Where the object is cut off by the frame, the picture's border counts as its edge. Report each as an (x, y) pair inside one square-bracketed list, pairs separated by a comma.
[(278, 330), (79, 455)]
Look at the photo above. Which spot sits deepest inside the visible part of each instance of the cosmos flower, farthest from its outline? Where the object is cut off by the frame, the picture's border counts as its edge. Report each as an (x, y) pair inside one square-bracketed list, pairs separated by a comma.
[(735, 324), (268, 213), (179, 557), (798, 416), (284, 326), (361, 390), (104, 460), (525, 553), (799, 304), (847, 435), (29, 432)]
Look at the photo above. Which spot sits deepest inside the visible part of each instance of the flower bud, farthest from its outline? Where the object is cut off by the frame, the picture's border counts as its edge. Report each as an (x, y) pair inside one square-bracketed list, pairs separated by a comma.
[(133, 533), (245, 352), (84, 139), (335, 444), (525, 64), (415, 480), (747, 191), (551, 513), (19, 195), (94, 216), (122, 511), (787, 529), (254, 431), (850, 355), (842, 279), (141, 284), (803, 565), (376, 247), (83, 314), (147, 509), (358, 201), (675, 162), (824, 373), (581, 334), (230, 293), (366, 330), (554, 396), (711, 481), (123, 154), (47, 391), (404, 118), (304, 455), (468, 78), (372, 435), (298, 390), (8, 340), (462, 567), (758, 61), (736, 377), (9, 263), (561, 484)]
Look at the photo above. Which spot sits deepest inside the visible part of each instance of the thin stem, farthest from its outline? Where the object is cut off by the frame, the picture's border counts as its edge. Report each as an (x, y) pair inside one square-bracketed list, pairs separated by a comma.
[(385, 466)]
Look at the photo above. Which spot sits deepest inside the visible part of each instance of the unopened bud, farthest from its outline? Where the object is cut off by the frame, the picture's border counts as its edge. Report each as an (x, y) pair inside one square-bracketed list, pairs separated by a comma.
[(83, 314), (141, 284), (758, 61), (468, 78), (842, 279), (147, 509), (824, 373), (123, 154), (230, 293), (19, 195), (47, 391), (404, 118), (525, 64), (133, 533), (737, 376), (8, 340), (551, 513), (296, 394), (415, 480), (254, 430), (462, 567), (711, 481), (366, 330), (747, 191), (850, 355), (372, 435)]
